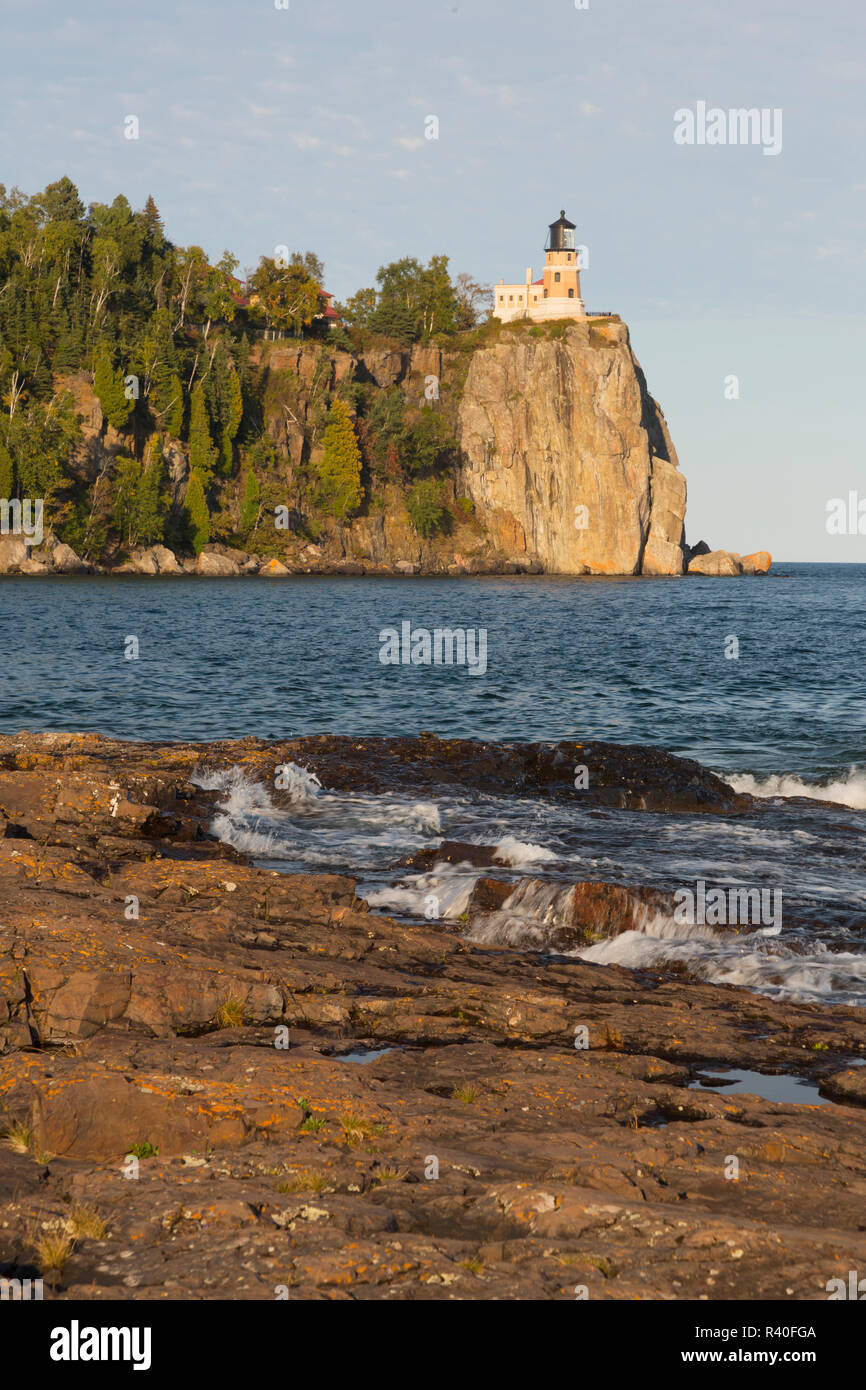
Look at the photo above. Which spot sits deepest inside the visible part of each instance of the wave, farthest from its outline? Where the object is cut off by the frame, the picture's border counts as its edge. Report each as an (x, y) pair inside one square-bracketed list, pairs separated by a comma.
[(441, 895), (816, 976), (534, 916), (318, 827), (847, 791), (516, 852)]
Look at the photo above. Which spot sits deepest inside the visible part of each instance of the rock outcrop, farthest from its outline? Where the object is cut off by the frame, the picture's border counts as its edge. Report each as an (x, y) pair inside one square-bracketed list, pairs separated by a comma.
[(715, 563), (154, 559), (758, 563), (171, 1013), (13, 553), (724, 563), (220, 566), (564, 464), (566, 456)]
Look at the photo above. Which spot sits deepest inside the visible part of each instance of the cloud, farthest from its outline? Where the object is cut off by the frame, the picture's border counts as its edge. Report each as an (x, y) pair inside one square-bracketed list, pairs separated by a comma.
[(410, 142)]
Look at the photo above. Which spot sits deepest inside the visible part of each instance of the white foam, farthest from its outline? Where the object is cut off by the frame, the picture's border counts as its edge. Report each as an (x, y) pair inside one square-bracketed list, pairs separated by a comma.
[(298, 783), (517, 852), (848, 791), (529, 917), (299, 820), (442, 894), (753, 962)]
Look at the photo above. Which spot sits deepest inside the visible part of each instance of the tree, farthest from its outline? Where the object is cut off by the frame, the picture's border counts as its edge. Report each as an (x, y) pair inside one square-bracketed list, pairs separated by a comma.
[(425, 509), (360, 309), (202, 454), (473, 300), (288, 297), (7, 474), (340, 465), (197, 514), (225, 401), (108, 385), (169, 403), (139, 500), (192, 274), (218, 290), (394, 320), (426, 444), (39, 440), (385, 425), (415, 300), (250, 506), (60, 202), (235, 406)]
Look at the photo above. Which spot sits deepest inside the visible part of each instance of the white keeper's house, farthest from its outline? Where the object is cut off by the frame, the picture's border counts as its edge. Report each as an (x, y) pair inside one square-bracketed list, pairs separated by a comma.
[(557, 294)]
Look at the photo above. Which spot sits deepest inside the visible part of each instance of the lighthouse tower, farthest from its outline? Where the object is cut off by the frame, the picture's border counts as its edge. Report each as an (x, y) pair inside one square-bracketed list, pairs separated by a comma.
[(561, 273), (557, 294)]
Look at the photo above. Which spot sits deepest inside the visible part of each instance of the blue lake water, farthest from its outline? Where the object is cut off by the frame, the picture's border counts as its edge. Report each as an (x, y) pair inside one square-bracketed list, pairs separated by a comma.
[(631, 660)]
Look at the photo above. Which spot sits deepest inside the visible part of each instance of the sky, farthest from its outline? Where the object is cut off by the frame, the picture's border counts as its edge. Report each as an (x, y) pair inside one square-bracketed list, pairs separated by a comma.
[(307, 126)]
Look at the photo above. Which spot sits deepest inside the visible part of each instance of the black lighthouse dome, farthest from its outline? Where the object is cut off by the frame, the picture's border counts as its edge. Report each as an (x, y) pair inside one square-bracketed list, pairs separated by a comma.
[(560, 234)]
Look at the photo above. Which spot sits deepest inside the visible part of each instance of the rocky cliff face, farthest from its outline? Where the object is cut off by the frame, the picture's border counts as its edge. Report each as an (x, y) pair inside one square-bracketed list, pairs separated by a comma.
[(566, 456), (565, 465)]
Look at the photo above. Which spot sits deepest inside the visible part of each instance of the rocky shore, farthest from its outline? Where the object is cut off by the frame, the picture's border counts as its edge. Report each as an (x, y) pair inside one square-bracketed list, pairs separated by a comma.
[(218, 561), (219, 1081)]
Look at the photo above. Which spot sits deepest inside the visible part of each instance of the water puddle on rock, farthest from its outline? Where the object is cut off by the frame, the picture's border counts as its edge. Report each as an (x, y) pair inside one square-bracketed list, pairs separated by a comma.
[(364, 1056), (783, 1089)]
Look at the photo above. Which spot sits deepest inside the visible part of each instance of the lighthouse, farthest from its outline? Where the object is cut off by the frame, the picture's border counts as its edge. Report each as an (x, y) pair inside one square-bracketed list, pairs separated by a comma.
[(557, 294)]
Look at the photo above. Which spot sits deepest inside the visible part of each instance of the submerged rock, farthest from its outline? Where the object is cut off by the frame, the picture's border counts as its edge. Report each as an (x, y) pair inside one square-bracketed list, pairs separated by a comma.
[(617, 775)]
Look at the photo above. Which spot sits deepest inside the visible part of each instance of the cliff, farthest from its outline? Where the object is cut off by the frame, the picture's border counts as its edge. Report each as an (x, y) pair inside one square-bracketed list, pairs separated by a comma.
[(556, 459), (567, 457)]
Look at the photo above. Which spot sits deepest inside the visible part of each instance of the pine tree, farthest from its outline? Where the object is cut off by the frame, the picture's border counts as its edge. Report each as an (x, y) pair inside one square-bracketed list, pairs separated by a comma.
[(250, 506), (196, 509), (202, 454), (111, 392), (7, 474), (175, 414), (340, 464), (235, 410)]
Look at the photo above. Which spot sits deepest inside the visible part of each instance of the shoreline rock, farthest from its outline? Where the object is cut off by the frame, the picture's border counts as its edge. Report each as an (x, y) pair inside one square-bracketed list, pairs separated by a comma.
[(314, 1095)]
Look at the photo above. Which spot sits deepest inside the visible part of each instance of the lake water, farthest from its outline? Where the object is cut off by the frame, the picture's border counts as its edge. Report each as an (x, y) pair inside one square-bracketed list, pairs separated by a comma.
[(633, 661)]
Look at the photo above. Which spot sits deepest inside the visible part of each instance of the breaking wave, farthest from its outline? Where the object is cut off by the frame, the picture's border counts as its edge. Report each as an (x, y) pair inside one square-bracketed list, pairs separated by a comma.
[(328, 830), (516, 853), (847, 791), (302, 827)]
